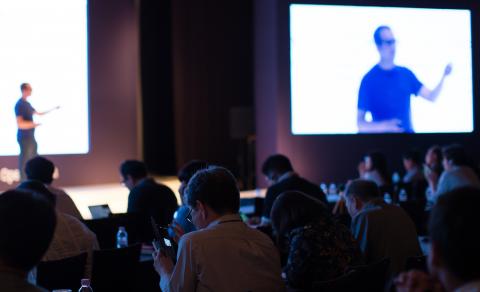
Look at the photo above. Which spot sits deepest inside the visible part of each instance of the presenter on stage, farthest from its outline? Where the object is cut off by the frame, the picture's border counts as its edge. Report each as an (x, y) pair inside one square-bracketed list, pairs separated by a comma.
[(24, 112), (386, 89)]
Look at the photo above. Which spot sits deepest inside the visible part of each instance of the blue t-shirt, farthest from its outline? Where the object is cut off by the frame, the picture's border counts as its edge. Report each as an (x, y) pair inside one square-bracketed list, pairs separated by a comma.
[(386, 94), (25, 110)]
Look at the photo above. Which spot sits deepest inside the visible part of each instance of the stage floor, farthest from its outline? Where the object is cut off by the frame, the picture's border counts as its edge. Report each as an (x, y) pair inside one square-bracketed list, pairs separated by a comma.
[(116, 195)]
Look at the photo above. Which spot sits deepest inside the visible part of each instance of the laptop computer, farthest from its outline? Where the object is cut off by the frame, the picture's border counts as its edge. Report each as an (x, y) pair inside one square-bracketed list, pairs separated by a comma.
[(100, 211)]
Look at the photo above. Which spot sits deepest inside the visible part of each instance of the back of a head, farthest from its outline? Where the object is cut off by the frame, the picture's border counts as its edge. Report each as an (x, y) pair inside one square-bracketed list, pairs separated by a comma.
[(413, 155), (379, 163), (362, 189), (278, 163), (217, 188), (27, 224), (453, 224), (41, 169), (134, 168), (189, 169), (38, 187), (456, 154), (294, 209), (437, 151)]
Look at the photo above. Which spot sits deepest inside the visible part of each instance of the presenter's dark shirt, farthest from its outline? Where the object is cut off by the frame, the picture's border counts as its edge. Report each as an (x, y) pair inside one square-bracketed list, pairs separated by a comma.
[(386, 94), (25, 110)]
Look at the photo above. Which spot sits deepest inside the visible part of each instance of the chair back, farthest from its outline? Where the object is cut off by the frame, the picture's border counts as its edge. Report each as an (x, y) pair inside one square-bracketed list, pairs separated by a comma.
[(62, 274), (115, 269)]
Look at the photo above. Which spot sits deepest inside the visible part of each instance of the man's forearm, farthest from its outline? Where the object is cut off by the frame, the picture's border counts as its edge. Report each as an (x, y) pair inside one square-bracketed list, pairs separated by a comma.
[(436, 91), (26, 125)]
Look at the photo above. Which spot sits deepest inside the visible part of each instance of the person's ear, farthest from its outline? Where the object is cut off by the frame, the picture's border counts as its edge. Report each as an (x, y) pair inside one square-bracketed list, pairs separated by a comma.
[(357, 203), (202, 210)]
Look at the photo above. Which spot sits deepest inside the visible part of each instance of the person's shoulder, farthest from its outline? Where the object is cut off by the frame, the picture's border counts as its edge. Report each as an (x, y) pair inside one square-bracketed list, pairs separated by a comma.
[(153, 184), (308, 183), (371, 210), (275, 189), (404, 70), (193, 238), (58, 192), (372, 72), (76, 224), (19, 104)]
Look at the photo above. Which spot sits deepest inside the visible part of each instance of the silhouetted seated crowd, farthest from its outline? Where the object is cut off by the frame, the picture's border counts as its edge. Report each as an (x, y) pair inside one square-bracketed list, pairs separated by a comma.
[(368, 237)]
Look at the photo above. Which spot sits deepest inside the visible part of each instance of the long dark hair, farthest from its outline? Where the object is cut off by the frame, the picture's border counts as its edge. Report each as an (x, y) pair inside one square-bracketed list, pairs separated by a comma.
[(294, 209)]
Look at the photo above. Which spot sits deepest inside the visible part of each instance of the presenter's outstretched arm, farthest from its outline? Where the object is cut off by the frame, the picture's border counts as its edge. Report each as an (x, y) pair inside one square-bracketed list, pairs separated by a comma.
[(432, 95), (46, 112)]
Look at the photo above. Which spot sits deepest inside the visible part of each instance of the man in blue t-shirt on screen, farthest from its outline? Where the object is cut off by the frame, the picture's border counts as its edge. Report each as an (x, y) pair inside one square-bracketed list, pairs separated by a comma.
[(386, 89)]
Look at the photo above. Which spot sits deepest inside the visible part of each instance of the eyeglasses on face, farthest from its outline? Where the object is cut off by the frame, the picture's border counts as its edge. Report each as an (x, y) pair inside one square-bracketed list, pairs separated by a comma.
[(389, 42), (188, 217)]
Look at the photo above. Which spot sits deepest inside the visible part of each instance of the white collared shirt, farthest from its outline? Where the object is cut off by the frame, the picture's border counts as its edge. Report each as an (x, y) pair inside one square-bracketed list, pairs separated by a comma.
[(227, 255)]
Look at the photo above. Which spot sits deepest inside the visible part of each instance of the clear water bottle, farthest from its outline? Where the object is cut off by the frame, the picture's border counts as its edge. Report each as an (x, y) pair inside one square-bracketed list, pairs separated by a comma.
[(332, 189), (324, 188), (387, 198), (396, 178), (403, 196), (122, 237), (85, 286)]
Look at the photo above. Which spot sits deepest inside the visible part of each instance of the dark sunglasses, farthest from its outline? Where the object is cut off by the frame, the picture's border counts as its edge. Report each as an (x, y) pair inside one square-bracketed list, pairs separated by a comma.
[(389, 42)]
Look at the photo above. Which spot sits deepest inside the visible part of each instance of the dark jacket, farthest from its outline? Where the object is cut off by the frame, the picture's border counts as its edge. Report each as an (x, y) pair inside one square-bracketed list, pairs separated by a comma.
[(292, 183)]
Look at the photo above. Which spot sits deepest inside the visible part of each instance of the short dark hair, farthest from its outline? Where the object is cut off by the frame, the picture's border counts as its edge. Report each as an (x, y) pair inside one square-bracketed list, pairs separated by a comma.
[(293, 209), (134, 168), (376, 35), (24, 86), (38, 187), (453, 224), (41, 169), (278, 162), (216, 187), (362, 189), (27, 224), (437, 150), (190, 168), (379, 163), (456, 154), (413, 155)]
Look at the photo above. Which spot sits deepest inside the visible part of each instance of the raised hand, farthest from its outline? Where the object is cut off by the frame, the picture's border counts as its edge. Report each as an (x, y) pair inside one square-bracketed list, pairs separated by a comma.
[(448, 70)]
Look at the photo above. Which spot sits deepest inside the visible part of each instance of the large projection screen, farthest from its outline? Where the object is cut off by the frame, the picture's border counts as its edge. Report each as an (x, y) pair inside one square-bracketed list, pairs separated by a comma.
[(44, 43), (333, 59)]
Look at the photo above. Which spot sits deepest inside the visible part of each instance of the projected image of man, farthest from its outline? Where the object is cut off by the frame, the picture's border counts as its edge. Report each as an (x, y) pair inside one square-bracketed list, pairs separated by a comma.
[(24, 112), (385, 91)]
